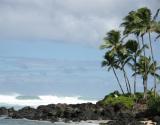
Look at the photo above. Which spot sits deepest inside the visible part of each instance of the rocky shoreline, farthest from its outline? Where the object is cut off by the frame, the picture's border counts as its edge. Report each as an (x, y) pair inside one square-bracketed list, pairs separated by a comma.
[(82, 112)]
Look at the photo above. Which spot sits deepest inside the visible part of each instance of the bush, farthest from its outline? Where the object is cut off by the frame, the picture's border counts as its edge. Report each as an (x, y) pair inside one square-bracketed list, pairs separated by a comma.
[(138, 95), (113, 94), (154, 104), (128, 102)]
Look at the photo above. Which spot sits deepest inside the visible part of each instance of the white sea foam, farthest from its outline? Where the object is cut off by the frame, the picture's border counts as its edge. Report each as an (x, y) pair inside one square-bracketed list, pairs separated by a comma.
[(34, 101)]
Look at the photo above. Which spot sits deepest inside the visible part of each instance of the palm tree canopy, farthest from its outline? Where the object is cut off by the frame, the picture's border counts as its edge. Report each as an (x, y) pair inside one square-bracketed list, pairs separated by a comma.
[(157, 28), (144, 17), (132, 46), (112, 40), (142, 66), (130, 24), (153, 68), (140, 22), (109, 60), (145, 67)]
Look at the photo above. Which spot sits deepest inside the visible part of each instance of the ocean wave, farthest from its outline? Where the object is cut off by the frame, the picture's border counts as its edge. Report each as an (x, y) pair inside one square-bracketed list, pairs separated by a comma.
[(17, 100)]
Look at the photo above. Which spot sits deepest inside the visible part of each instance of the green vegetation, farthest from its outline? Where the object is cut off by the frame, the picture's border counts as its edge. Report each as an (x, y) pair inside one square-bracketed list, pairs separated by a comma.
[(117, 98), (154, 105), (124, 53), (128, 102)]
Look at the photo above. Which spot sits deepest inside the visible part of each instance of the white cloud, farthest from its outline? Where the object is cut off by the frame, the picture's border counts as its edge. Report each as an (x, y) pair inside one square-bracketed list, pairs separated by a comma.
[(84, 21)]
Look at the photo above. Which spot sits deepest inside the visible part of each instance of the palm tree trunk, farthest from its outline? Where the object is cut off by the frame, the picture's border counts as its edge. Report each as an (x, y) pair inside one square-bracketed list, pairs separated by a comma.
[(144, 79), (152, 55), (139, 45), (128, 82), (135, 76), (118, 80), (144, 52), (145, 88), (125, 78), (135, 61)]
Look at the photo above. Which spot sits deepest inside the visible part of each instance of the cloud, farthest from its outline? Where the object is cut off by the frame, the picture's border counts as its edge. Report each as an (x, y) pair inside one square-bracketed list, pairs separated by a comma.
[(83, 21)]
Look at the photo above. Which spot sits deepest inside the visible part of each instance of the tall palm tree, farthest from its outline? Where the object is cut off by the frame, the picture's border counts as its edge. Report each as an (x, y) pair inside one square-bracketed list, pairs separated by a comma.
[(145, 67), (141, 22), (148, 25), (113, 43), (132, 24), (134, 52), (110, 62), (123, 59)]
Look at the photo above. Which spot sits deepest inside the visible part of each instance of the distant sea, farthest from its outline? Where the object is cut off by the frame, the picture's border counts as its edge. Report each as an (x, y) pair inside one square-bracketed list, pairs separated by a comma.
[(29, 122)]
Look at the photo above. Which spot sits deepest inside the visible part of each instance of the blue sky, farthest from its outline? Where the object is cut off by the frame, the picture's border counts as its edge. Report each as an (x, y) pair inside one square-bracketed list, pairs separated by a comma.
[(52, 46)]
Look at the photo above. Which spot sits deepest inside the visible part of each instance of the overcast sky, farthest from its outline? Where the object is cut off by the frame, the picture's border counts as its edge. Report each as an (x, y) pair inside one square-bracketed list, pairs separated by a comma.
[(56, 43), (83, 21)]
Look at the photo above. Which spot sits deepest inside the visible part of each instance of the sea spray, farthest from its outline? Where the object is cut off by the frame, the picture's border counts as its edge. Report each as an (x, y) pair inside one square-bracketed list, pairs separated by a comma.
[(17, 100)]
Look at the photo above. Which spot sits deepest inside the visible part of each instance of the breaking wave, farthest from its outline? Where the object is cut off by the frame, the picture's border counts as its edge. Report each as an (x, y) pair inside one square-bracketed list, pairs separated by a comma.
[(17, 100)]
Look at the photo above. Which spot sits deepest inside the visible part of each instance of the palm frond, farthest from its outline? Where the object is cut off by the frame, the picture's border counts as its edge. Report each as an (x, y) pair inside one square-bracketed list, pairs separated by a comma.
[(104, 63), (157, 37), (136, 73), (156, 15)]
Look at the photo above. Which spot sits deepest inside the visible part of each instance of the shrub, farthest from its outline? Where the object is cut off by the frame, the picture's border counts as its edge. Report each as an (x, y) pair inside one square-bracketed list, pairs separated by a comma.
[(154, 104), (138, 95), (128, 102)]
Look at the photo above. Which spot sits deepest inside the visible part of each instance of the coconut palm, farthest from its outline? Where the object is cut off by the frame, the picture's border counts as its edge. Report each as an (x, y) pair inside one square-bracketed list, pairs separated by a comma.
[(145, 67), (110, 62), (113, 43), (132, 48), (130, 25), (133, 53), (148, 25), (141, 22), (112, 40), (123, 59)]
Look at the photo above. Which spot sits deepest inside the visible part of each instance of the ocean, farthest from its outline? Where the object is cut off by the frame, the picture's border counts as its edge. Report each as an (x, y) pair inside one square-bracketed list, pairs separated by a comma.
[(4, 121), (18, 101)]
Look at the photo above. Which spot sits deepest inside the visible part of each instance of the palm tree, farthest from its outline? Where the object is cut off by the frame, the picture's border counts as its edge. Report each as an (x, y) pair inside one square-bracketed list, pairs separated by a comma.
[(130, 25), (148, 25), (134, 52), (132, 48), (141, 22), (123, 59), (145, 67), (110, 62), (113, 43)]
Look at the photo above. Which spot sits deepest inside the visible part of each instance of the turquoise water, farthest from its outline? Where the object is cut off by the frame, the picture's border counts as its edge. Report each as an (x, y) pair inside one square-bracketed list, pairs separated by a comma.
[(29, 122)]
